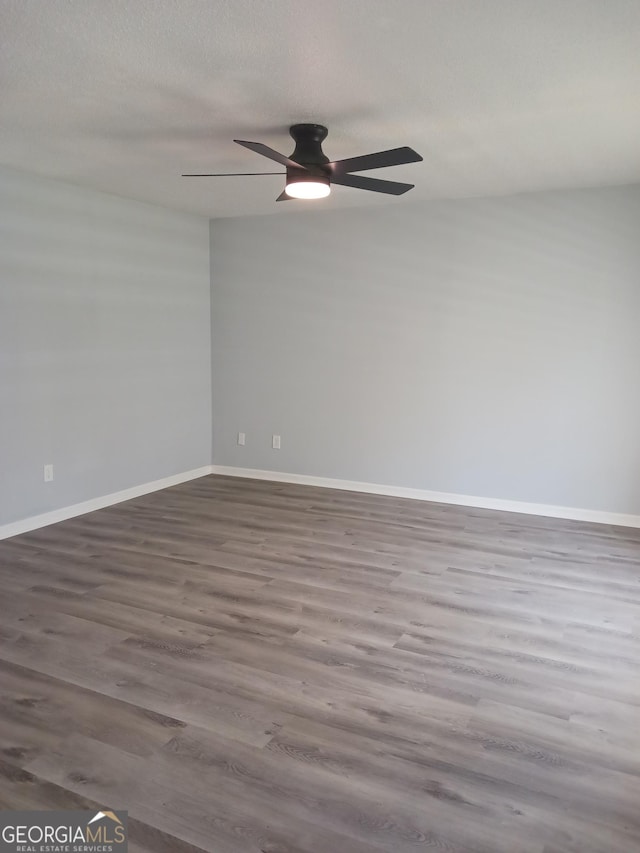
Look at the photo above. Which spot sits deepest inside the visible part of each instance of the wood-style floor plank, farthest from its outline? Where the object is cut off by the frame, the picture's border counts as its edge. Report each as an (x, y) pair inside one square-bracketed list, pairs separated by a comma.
[(254, 667)]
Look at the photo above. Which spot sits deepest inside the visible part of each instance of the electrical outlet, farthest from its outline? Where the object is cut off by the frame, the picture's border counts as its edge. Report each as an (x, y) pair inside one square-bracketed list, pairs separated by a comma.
[(241, 439), (48, 473), (275, 442)]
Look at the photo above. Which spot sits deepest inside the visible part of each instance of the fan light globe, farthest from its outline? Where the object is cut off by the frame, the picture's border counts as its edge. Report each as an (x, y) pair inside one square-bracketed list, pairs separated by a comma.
[(307, 189)]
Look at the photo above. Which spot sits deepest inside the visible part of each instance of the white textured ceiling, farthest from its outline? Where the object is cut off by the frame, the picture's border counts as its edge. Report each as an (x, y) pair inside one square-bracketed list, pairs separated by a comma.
[(499, 96)]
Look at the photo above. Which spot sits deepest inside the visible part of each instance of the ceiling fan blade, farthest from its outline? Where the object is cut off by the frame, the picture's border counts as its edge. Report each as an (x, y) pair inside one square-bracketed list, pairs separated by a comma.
[(232, 174), (393, 157), (361, 182), (283, 196), (259, 148)]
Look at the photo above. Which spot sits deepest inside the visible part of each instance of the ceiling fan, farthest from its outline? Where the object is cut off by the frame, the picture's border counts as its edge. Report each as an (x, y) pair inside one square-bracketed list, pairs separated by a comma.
[(310, 173)]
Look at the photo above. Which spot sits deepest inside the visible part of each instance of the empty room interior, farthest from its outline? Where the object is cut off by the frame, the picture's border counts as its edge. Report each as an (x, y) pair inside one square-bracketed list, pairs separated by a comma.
[(320, 426)]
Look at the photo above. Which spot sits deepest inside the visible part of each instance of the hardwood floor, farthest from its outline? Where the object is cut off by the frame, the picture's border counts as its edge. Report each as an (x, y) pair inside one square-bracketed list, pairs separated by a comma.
[(253, 667)]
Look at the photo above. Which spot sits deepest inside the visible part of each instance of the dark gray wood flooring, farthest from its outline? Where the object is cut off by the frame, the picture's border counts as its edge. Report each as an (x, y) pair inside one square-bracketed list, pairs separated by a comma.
[(256, 667)]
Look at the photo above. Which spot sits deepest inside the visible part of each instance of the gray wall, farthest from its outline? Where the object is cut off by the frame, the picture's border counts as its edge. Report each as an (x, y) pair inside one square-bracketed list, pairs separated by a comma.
[(484, 347), (104, 344)]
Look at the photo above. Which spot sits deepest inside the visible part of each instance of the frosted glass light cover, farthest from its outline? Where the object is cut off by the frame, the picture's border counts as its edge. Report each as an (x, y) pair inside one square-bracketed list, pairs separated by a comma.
[(307, 189)]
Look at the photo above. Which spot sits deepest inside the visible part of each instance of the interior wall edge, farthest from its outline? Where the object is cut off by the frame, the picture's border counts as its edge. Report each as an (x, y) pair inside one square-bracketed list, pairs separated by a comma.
[(504, 505)]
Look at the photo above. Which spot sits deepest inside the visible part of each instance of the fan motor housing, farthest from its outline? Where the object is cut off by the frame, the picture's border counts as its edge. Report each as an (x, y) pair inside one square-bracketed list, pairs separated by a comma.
[(308, 151), (308, 173)]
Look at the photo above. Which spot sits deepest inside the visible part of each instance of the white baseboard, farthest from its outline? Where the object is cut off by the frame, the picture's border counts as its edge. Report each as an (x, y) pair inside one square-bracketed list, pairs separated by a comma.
[(572, 513), (26, 524), (46, 518)]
